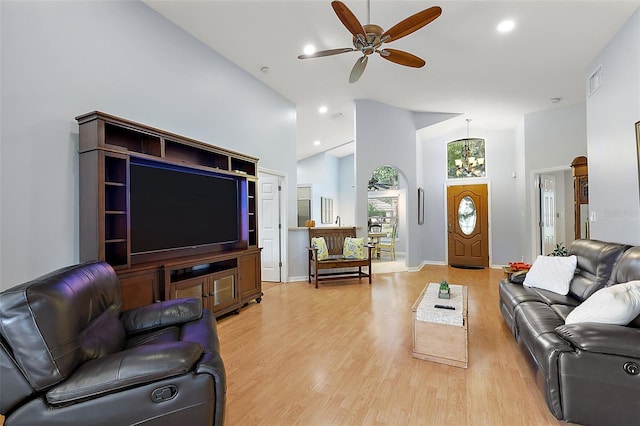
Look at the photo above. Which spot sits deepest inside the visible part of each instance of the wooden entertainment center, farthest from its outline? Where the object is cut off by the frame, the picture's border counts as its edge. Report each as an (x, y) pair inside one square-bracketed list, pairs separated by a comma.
[(226, 276)]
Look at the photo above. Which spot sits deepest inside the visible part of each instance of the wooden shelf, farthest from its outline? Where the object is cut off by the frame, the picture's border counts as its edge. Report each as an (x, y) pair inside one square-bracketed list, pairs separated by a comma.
[(107, 146)]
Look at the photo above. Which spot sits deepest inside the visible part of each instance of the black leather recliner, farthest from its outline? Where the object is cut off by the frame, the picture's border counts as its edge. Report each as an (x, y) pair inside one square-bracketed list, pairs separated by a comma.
[(68, 355)]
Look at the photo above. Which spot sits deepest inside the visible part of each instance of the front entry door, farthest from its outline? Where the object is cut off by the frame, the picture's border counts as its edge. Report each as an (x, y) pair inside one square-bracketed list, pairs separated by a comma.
[(468, 225)]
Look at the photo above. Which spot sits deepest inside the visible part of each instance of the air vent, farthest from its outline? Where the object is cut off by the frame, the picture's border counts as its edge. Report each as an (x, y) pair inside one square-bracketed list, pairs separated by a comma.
[(595, 81)]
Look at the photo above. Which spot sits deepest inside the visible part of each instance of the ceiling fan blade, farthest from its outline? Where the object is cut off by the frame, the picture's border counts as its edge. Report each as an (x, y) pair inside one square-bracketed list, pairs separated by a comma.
[(348, 19), (358, 69), (402, 58), (329, 52), (411, 24)]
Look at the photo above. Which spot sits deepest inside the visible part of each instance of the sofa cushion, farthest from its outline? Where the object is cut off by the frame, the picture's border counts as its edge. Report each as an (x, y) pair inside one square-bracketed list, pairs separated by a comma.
[(596, 261), (536, 324), (320, 245), (551, 273), (551, 298), (562, 310), (628, 269), (161, 314), (132, 367), (511, 295), (103, 336), (42, 320), (618, 304)]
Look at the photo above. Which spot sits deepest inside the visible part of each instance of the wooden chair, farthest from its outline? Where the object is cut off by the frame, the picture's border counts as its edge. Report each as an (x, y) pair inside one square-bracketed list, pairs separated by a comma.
[(389, 245)]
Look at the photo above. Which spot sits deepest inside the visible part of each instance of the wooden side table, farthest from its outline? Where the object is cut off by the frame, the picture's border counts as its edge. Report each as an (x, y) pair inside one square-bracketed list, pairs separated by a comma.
[(441, 335)]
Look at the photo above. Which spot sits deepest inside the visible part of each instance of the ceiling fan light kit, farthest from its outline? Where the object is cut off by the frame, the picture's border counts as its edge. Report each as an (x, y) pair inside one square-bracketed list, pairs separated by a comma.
[(368, 39)]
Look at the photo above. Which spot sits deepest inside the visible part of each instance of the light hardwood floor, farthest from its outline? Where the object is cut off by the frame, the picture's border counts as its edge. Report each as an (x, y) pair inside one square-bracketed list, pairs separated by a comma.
[(341, 355)]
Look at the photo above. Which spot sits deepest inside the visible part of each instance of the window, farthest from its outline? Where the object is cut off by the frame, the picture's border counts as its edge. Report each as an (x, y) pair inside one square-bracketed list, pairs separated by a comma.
[(465, 158)]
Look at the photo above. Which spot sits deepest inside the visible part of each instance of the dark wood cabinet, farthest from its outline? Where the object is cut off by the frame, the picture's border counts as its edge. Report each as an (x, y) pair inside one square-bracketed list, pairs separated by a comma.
[(249, 271), (226, 276), (225, 282), (139, 288), (580, 171)]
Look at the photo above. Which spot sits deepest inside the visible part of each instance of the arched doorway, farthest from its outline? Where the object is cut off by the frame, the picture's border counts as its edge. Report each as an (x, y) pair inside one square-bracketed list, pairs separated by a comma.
[(387, 218)]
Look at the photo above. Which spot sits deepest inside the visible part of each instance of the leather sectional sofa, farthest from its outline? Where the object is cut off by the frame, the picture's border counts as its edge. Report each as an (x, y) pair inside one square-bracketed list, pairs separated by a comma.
[(588, 372), (68, 355)]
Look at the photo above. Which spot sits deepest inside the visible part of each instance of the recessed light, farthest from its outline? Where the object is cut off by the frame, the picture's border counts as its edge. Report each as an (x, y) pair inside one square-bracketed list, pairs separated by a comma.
[(506, 26), (309, 49), (316, 143), (322, 109)]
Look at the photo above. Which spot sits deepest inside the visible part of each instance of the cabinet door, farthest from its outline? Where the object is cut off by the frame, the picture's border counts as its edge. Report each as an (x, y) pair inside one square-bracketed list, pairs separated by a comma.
[(223, 291), (249, 281), (139, 289), (194, 287)]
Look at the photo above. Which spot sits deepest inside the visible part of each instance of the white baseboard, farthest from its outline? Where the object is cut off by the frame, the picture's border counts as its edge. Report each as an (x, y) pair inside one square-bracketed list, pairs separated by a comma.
[(298, 279)]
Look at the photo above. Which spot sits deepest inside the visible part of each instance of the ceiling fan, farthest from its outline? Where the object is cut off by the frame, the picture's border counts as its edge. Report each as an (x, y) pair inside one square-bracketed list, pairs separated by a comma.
[(370, 37)]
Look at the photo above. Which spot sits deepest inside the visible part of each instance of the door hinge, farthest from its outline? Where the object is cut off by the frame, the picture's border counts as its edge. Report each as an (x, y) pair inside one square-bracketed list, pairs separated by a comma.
[(279, 226), (279, 188), (280, 264)]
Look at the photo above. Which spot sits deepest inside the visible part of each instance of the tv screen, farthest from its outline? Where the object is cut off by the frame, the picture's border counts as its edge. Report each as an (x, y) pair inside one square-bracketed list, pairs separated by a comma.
[(173, 207)]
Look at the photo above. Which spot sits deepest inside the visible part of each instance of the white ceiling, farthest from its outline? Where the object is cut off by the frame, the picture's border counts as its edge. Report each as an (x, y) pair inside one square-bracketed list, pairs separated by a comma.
[(471, 69)]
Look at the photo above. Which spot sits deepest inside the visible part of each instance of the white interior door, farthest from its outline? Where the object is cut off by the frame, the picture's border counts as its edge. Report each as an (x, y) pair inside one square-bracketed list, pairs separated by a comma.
[(548, 213), (269, 223)]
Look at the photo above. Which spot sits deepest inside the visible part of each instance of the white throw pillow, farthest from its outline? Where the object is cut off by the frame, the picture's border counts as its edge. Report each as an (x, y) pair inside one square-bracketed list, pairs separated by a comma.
[(553, 273), (618, 304)]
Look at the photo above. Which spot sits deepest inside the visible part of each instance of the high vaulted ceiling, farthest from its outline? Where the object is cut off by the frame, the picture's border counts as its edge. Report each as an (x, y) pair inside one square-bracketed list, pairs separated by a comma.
[(489, 77)]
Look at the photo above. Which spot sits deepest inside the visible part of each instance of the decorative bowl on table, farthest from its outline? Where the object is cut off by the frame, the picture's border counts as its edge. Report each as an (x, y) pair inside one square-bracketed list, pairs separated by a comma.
[(520, 266)]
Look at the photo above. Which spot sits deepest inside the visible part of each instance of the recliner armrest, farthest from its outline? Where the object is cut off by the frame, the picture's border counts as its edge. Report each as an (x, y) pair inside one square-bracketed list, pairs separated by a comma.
[(136, 366), (602, 338), (161, 314)]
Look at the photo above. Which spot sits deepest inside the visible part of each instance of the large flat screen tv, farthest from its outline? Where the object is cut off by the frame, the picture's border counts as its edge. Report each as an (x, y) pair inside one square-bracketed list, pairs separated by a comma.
[(180, 208)]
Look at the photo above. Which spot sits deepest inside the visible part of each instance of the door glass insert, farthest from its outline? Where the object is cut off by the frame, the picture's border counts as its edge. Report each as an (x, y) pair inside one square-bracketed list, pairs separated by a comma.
[(467, 215)]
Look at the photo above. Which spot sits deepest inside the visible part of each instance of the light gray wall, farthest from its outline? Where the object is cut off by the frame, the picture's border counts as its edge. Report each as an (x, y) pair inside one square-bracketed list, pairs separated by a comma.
[(612, 112), (552, 139), (322, 173), (386, 135), (347, 189), (62, 59), (434, 166), (520, 196), (503, 208)]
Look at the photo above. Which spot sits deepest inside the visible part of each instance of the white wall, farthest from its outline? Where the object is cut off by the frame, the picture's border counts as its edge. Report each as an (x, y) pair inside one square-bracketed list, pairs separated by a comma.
[(63, 59), (612, 112)]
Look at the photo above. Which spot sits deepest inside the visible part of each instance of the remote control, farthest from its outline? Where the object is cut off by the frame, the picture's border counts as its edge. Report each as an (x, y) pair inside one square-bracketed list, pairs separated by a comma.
[(445, 307)]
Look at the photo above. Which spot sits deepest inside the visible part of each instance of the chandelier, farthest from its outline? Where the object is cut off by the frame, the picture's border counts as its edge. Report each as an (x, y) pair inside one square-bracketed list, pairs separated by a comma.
[(470, 165)]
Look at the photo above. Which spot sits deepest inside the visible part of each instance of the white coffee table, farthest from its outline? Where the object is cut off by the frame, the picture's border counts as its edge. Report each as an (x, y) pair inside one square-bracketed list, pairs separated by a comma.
[(441, 335)]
